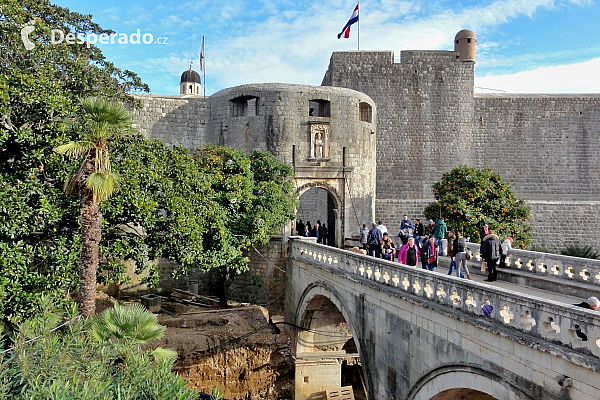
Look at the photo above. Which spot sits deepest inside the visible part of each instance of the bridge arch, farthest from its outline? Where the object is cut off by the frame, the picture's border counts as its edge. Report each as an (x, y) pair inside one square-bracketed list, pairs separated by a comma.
[(325, 296), (464, 382), (330, 208)]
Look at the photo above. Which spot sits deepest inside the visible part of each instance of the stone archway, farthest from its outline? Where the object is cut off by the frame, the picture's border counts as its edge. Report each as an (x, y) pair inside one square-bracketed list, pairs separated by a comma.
[(320, 201), (464, 382), (328, 343)]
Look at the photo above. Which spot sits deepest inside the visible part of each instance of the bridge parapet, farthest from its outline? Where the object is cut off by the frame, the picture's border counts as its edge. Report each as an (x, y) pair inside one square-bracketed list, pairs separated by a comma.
[(572, 269), (548, 325)]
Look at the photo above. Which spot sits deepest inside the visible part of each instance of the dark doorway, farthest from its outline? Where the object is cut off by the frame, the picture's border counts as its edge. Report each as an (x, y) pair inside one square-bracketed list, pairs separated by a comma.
[(317, 204)]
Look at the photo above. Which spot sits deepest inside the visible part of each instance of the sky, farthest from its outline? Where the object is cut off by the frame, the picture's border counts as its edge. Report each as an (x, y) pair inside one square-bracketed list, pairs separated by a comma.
[(523, 46)]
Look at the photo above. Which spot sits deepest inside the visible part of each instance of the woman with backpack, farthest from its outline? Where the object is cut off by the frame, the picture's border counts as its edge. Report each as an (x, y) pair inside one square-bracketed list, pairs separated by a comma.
[(459, 254)]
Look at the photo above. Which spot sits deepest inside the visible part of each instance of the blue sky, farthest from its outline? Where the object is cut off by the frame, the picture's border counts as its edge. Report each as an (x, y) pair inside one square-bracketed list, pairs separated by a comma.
[(524, 46)]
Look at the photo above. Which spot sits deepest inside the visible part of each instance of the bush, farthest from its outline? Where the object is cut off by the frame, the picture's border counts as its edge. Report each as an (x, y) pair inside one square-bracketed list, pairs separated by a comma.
[(94, 358), (468, 198), (582, 252)]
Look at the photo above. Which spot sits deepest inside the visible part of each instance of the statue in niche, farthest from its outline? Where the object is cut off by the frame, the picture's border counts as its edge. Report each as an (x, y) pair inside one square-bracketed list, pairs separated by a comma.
[(318, 145), (319, 141)]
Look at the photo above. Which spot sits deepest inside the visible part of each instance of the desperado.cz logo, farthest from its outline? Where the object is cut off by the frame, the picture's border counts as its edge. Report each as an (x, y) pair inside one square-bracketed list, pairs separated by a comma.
[(25, 32), (57, 36)]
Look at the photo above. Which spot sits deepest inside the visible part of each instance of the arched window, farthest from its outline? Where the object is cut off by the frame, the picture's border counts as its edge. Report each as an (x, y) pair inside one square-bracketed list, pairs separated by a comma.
[(191, 90), (365, 112)]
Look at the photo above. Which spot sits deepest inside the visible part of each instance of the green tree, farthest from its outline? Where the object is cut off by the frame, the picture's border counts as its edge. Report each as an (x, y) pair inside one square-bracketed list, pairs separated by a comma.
[(93, 358), (39, 240), (468, 198), (93, 182), (254, 198)]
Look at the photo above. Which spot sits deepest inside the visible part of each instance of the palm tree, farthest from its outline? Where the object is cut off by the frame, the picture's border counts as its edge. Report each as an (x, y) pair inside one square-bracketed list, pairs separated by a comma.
[(128, 327), (94, 182)]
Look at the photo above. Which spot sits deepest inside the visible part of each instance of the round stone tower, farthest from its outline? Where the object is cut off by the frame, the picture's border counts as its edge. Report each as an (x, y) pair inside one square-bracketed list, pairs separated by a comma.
[(464, 43), (190, 82)]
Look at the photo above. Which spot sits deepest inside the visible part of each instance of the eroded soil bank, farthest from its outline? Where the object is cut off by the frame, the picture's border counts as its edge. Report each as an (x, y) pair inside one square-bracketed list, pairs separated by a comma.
[(234, 349)]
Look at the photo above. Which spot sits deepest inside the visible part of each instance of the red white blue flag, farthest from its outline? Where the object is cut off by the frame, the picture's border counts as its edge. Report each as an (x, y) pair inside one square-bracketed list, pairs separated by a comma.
[(353, 19)]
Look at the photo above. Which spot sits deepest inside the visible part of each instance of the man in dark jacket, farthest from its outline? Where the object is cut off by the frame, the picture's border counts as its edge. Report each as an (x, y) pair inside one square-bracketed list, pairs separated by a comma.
[(429, 254), (373, 240), (591, 304), (418, 231), (323, 233), (491, 251)]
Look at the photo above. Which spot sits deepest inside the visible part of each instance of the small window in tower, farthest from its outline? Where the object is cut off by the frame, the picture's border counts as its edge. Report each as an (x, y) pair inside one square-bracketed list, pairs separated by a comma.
[(244, 106), (191, 90), (468, 40), (365, 112), (319, 108), (197, 89), (456, 41)]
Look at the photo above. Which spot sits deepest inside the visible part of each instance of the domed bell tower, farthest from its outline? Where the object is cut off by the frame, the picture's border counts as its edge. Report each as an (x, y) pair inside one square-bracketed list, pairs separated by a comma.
[(464, 44), (190, 82)]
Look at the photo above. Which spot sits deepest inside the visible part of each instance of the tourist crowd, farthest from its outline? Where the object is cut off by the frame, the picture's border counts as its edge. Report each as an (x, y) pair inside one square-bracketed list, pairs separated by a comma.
[(423, 244)]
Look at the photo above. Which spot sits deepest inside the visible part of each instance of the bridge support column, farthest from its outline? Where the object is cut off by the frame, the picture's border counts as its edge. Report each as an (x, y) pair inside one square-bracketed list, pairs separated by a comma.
[(315, 376)]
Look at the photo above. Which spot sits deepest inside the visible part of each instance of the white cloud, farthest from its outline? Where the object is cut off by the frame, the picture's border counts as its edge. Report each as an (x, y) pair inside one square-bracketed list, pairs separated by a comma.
[(572, 78), (279, 44)]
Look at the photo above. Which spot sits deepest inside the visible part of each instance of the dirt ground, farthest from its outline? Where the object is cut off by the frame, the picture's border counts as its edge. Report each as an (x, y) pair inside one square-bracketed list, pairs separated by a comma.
[(220, 348)]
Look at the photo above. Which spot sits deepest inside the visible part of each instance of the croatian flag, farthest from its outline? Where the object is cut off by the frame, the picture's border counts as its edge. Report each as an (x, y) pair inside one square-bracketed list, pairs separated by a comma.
[(353, 19)]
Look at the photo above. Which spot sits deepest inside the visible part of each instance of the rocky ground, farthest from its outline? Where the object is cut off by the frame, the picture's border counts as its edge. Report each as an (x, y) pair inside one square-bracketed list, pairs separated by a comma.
[(234, 349)]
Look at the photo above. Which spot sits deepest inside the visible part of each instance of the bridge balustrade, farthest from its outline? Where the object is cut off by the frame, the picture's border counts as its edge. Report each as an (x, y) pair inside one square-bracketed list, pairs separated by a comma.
[(554, 265), (565, 325)]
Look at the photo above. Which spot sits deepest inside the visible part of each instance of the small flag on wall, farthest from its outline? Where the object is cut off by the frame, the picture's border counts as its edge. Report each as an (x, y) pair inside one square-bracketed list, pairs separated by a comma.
[(345, 33)]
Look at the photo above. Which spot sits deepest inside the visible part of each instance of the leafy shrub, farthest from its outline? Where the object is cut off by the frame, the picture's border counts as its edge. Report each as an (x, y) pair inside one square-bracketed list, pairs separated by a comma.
[(582, 252), (94, 358)]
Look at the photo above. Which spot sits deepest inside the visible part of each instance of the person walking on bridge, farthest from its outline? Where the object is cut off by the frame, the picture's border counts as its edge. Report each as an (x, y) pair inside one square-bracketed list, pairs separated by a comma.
[(374, 237), (409, 253), (439, 231), (364, 234), (491, 251), (429, 254), (591, 304), (459, 254)]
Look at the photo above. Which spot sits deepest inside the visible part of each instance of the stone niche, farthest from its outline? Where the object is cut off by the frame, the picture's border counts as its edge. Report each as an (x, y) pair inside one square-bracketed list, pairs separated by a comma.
[(319, 142)]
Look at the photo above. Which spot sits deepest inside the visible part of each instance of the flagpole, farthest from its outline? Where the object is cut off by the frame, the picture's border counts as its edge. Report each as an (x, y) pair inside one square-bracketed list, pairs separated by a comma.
[(358, 15), (203, 65)]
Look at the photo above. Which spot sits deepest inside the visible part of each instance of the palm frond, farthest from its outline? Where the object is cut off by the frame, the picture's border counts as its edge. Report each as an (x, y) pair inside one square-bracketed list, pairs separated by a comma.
[(132, 323), (161, 353), (73, 149), (104, 111), (102, 185)]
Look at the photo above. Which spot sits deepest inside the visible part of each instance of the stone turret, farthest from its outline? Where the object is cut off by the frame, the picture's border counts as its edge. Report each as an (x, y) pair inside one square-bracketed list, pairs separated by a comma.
[(464, 43)]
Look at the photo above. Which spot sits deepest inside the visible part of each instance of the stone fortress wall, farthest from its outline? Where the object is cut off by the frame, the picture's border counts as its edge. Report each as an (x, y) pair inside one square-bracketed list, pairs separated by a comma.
[(429, 121), (175, 120)]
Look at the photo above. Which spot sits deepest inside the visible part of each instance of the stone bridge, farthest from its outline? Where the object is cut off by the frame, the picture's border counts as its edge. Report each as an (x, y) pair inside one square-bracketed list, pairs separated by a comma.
[(415, 334)]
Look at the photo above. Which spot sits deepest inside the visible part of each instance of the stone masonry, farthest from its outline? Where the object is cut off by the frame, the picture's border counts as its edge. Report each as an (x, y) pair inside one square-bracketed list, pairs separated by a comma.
[(429, 121)]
